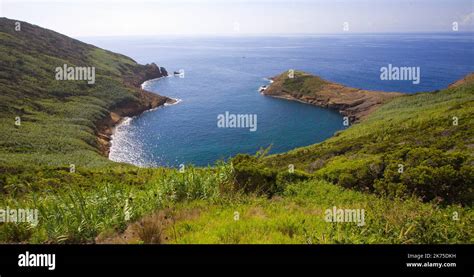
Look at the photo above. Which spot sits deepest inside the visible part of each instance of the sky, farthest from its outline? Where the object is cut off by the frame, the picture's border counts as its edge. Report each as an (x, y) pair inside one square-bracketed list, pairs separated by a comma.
[(80, 18)]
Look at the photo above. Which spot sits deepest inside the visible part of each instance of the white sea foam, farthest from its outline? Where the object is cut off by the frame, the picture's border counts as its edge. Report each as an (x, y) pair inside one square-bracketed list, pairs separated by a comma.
[(177, 101), (147, 83), (126, 121), (268, 80), (261, 89), (165, 105)]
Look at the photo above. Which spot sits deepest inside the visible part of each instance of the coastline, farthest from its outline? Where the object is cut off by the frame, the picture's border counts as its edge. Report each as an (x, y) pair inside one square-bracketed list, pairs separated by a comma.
[(354, 103), (147, 101), (144, 84)]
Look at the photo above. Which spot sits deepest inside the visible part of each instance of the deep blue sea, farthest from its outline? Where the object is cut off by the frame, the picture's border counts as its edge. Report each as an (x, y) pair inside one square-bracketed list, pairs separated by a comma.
[(224, 73)]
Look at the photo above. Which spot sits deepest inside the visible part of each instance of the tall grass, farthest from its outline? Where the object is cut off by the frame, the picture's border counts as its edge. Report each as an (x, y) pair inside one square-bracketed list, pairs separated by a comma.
[(77, 213), (299, 217)]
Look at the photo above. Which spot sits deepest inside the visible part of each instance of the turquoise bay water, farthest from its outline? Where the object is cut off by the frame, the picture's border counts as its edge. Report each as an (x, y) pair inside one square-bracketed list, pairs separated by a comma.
[(224, 74)]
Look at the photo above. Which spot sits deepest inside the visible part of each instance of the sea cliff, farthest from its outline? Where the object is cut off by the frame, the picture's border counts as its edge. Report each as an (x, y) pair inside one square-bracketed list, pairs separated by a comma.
[(351, 102), (66, 120), (146, 101)]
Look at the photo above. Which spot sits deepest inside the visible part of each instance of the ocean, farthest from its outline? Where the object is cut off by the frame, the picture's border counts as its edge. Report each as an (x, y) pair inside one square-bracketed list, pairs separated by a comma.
[(222, 76)]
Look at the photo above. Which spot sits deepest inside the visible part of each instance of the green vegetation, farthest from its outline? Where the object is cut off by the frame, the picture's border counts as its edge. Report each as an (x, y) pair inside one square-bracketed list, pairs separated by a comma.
[(251, 176), (303, 83), (58, 118), (417, 132), (250, 199), (298, 216), (203, 202), (76, 207)]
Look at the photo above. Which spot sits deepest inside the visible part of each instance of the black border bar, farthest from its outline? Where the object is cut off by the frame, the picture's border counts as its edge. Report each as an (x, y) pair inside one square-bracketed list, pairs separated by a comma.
[(88, 259)]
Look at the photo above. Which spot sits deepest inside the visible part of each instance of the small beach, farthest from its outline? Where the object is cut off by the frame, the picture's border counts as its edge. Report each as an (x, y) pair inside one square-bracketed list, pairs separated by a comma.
[(216, 81)]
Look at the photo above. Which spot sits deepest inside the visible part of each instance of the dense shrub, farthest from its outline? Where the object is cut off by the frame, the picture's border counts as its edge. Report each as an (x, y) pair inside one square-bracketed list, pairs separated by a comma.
[(251, 176), (284, 178), (416, 131), (430, 174), (358, 172)]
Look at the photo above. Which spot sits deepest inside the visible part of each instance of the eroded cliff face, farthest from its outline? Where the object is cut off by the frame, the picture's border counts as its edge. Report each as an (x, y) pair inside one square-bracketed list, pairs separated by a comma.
[(145, 100), (351, 102), (28, 80), (142, 73), (105, 126)]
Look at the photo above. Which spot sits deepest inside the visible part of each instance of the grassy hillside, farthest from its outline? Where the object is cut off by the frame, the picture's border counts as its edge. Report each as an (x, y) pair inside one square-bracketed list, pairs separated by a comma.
[(250, 199), (430, 134), (351, 102), (134, 205), (59, 118)]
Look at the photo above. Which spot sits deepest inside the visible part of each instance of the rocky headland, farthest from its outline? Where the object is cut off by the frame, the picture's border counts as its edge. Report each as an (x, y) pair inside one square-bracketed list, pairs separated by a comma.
[(351, 102)]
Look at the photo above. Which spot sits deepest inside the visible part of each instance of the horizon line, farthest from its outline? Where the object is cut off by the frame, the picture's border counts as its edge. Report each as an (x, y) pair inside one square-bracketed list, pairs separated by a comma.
[(278, 34)]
